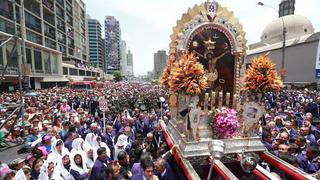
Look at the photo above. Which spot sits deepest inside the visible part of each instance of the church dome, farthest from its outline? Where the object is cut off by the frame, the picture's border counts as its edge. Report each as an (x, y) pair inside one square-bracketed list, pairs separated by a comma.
[(296, 26)]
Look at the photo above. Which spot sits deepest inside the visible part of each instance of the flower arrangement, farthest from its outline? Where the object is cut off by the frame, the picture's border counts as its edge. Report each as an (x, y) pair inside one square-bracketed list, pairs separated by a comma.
[(261, 76), (164, 79), (225, 122), (187, 75)]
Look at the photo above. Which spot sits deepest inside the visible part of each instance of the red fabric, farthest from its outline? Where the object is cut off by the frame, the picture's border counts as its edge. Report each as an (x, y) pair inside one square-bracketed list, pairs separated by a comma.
[(282, 167)]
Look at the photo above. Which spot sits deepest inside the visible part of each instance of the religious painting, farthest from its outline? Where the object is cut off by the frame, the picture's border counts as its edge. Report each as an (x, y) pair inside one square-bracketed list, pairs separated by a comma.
[(212, 48)]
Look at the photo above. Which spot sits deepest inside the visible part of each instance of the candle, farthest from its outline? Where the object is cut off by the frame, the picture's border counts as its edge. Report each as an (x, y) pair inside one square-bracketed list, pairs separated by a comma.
[(220, 100), (206, 98), (234, 103), (227, 99), (213, 100)]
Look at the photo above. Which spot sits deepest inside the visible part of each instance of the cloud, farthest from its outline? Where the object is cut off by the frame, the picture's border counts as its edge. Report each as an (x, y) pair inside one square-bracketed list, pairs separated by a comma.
[(147, 24)]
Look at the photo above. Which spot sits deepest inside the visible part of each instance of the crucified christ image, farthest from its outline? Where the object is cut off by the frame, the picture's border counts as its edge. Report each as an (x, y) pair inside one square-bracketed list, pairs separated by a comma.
[(212, 70)]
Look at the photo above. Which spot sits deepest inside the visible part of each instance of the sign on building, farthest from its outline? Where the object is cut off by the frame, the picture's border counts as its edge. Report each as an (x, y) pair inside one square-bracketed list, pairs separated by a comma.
[(318, 62)]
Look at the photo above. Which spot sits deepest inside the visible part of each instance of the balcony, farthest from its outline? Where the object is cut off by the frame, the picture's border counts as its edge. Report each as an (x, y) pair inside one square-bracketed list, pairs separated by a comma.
[(49, 4)]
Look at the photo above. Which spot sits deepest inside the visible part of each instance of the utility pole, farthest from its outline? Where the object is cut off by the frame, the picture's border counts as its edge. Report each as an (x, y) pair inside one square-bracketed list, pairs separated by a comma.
[(23, 45), (15, 57)]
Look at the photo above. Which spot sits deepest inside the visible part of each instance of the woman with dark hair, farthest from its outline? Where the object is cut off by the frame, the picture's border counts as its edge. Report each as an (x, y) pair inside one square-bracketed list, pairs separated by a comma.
[(36, 167), (78, 168), (124, 161)]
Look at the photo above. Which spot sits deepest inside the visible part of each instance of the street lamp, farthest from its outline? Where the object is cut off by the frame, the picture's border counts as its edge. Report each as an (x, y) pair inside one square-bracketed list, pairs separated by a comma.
[(161, 101), (284, 31)]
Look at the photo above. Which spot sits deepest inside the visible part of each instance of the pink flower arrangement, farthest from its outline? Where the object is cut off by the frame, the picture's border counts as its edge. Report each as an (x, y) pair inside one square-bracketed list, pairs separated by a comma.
[(225, 122)]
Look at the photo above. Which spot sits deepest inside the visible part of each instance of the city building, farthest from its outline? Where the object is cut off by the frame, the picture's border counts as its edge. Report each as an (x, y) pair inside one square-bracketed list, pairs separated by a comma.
[(112, 44), (301, 62), (103, 52), (123, 58), (159, 63), (130, 64), (95, 43), (55, 42)]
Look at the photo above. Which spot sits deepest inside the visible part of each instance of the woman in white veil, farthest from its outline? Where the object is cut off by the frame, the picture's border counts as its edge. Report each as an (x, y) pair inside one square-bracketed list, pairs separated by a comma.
[(121, 145), (58, 150), (23, 174), (97, 143), (78, 167), (78, 145), (48, 171), (89, 140), (63, 167)]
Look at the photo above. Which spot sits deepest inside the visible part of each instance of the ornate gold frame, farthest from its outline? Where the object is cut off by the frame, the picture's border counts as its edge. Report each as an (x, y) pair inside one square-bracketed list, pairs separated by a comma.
[(224, 21)]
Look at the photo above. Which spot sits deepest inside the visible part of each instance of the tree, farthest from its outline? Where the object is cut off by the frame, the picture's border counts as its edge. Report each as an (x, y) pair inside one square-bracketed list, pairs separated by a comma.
[(117, 76)]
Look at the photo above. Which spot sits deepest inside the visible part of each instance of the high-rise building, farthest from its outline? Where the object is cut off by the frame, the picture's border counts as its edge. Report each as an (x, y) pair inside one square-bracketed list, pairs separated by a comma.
[(159, 63), (104, 65), (130, 63), (123, 57), (112, 43), (55, 38), (95, 43)]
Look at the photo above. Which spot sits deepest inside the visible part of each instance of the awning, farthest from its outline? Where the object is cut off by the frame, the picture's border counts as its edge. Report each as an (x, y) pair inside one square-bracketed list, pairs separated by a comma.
[(55, 79)]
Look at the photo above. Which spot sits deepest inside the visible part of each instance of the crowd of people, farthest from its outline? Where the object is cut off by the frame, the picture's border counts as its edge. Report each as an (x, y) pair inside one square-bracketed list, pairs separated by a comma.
[(291, 127), (64, 137)]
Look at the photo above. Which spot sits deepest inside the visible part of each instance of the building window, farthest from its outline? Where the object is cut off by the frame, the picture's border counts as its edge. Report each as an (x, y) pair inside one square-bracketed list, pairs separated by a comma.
[(32, 22), (12, 62), (82, 73), (65, 71), (6, 9), (88, 73), (73, 72), (47, 63), (6, 26), (28, 55), (55, 65), (34, 37), (37, 60)]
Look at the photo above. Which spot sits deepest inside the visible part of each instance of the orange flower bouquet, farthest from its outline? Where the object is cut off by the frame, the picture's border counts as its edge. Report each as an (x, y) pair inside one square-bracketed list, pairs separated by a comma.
[(164, 79), (261, 76), (187, 75)]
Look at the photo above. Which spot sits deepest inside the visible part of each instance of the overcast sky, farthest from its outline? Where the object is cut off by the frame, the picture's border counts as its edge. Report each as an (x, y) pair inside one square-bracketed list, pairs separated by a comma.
[(147, 24)]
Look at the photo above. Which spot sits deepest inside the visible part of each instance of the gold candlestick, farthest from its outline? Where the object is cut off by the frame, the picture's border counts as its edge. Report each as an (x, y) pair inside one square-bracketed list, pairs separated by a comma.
[(213, 100), (227, 99), (206, 98), (220, 100), (235, 100)]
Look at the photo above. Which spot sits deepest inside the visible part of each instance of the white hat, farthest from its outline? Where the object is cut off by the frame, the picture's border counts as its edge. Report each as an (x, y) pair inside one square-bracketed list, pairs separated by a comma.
[(122, 140)]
